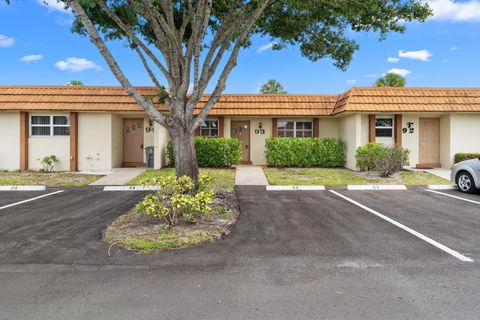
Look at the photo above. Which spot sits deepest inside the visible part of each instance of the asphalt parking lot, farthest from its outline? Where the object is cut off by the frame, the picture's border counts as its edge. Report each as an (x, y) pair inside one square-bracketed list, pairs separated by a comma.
[(292, 255)]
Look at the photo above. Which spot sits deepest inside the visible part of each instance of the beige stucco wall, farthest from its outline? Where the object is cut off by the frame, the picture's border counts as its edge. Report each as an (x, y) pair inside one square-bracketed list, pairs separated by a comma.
[(465, 130), (445, 141), (410, 140), (350, 129), (10, 144), (257, 140), (39, 147), (227, 127), (328, 127), (95, 141), (161, 139)]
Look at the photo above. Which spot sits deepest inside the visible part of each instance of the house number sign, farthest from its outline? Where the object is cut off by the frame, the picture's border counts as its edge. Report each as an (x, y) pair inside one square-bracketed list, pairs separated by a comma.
[(150, 127), (260, 130), (409, 129)]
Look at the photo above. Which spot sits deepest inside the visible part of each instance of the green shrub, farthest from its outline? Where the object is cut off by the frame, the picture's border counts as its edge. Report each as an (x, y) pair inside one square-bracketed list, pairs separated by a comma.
[(48, 163), (213, 152), (366, 155), (459, 157), (392, 160), (176, 201), (305, 152)]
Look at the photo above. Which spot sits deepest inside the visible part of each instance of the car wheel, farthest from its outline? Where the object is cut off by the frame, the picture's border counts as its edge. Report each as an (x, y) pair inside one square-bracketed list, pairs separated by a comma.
[(466, 183)]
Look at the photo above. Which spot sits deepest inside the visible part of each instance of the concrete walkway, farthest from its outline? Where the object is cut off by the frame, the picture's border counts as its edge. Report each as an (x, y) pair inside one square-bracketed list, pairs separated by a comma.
[(250, 176), (118, 177)]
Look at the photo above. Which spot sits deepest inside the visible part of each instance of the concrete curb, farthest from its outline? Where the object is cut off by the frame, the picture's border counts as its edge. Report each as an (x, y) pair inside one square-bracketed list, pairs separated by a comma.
[(295, 188), (23, 188), (442, 187), (130, 188), (376, 187)]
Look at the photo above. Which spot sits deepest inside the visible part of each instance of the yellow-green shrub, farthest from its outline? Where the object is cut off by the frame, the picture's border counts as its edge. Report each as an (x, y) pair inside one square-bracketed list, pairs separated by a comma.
[(176, 199)]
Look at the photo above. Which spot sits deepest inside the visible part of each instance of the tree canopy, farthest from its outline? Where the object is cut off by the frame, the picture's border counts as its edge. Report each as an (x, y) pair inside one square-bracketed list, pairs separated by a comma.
[(391, 80), (272, 86), (187, 45)]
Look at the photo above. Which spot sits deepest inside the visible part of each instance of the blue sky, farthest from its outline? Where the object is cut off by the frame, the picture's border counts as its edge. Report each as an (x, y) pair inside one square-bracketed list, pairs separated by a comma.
[(37, 48)]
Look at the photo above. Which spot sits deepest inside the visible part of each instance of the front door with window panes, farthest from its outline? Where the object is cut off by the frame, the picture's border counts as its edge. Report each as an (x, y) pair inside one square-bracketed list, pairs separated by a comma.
[(133, 142), (295, 129), (241, 131)]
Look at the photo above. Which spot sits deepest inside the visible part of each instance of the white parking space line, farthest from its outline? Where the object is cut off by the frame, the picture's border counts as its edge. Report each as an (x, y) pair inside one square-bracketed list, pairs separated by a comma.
[(440, 246), (454, 197), (31, 199)]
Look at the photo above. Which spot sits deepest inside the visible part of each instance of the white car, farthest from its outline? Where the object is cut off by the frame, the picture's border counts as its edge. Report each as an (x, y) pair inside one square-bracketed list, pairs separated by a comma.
[(466, 175)]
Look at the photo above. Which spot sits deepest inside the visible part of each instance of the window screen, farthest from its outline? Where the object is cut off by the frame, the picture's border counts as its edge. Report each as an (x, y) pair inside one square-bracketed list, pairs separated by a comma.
[(48, 126), (295, 129), (209, 129), (384, 127)]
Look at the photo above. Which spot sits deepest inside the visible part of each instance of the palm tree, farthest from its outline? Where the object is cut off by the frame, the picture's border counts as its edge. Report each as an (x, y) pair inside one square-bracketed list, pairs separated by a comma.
[(272, 86), (391, 80), (74, 83)]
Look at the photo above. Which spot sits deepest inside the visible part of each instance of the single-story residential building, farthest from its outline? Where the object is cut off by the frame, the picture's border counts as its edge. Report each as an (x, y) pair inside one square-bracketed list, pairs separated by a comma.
[(100, 128)]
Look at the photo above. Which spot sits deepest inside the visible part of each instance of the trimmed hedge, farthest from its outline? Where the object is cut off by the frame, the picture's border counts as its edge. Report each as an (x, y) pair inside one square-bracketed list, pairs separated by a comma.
[(213, 152), (305, 152), (459, 157)]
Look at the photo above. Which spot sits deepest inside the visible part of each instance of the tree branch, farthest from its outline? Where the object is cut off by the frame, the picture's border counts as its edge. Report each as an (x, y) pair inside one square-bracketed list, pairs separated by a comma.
[(147, 67), (129, 32), (95, 38), (215, 96)]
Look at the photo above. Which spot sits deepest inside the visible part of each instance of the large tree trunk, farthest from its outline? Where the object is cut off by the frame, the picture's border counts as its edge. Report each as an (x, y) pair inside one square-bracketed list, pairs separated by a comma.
[(185, 156)]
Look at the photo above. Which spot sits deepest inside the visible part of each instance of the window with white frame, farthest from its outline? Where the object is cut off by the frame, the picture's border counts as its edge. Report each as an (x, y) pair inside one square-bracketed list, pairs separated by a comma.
[(295, 129), (384, 127), (49, 126), (209, 128)]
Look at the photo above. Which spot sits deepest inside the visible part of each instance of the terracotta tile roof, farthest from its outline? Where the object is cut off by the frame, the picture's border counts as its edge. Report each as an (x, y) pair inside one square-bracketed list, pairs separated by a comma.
[(62, 98), (111, 99), (409, 100)]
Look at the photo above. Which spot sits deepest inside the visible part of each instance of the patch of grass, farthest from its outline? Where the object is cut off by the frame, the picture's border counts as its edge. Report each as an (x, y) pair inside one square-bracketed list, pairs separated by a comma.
[(342, 177), (167, 240), (49, 179), (312, 176), (222, 179), (422, 179)]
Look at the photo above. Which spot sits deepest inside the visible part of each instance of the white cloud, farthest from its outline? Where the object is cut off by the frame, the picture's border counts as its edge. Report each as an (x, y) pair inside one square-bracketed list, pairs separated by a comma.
[(402, 72), (77, 65), (265, 47), (352, 81), (5, 41), (53, 5), (422, 55), (392, 60), (454, 48), (371, 75), (31, 58), (451, 10)]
